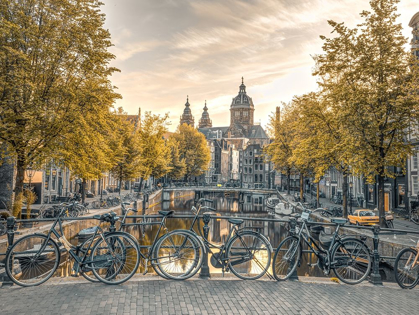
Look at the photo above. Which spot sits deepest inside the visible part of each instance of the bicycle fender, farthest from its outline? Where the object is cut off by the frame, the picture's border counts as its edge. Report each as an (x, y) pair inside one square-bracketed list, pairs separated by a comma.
[(192, 234), (259, 234)]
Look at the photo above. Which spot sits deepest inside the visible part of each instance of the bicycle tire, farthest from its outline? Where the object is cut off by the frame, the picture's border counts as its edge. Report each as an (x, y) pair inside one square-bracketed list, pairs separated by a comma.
[(178, 255), (354, 258), (406, 276), (115, 258), (415, 218), (239, 248), (286, 258), (32, 267)]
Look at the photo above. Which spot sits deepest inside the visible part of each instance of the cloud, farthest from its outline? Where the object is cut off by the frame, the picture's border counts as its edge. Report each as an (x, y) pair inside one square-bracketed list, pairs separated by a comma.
[(201, 48)]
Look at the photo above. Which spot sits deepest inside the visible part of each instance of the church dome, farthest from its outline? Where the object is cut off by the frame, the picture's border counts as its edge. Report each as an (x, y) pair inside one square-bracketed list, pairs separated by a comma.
[(205, 121), (242, 100), (187, 117)]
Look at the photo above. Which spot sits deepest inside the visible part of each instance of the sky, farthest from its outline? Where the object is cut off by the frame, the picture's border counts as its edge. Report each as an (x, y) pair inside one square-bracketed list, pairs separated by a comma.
[(168, 49)]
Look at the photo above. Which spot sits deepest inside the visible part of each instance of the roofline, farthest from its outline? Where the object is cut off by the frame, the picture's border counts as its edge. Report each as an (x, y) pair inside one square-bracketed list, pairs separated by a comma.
[(412, 21)]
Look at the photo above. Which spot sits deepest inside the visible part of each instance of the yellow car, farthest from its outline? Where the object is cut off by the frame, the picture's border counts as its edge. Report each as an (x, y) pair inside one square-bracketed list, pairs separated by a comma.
[(363, 217)]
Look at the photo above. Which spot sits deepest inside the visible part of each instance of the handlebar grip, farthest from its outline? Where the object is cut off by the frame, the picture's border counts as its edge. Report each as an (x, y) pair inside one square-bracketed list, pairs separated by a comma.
[(209, 208), (205, 200)]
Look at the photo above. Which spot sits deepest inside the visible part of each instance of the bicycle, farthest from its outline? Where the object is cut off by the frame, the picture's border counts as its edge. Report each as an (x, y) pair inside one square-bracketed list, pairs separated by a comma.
[(348, 257), (406, 267), (414, 216), (113, 257), (175, 255), (246, 253)]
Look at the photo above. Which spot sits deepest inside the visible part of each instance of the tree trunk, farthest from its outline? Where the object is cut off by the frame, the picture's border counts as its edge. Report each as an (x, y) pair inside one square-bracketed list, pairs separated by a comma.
[(83, 191), (318, 195), (345, 194), (20, 177), (288, 181), (301, 187), (381, 210)]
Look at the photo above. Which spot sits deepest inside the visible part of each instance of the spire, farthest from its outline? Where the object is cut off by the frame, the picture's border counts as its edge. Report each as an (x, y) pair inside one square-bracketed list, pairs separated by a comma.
[(187, 101), (205, 121), (187, 117), (242, 87), (242, 81)]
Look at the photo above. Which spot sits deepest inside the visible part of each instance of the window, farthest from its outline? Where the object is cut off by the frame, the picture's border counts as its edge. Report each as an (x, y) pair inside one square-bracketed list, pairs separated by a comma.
[(256, 159), (245, 161), (370, 193), (250, 161), (245, 114), (54, 180), (415, 162), (237, 114), (261, 167), (260, 177), (256, 178), (245, 170), (249, 200), (415, 185), (250, 170), (250, 153)]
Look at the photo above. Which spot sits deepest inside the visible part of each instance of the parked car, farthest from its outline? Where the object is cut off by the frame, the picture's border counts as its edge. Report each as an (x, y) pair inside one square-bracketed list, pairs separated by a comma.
[(364, 217)]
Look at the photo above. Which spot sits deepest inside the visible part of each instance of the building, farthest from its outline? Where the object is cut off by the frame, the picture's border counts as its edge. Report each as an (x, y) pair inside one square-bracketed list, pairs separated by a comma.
[(187, 117), (414, 24), (205, 121)]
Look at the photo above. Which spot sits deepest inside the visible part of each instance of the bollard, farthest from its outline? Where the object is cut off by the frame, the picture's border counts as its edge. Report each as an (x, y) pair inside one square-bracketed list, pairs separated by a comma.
[(143, 212), (205, 273), (11, 221), (375, 274), (293, 225), (135, 205)]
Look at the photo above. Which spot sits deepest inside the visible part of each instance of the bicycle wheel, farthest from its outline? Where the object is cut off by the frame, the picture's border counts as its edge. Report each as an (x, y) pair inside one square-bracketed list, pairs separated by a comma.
[(249, 255), (32, 260), (415, 218), (407, 275), (351, 261), (86, 270), (286, 258), (115, 258), (178, 255)]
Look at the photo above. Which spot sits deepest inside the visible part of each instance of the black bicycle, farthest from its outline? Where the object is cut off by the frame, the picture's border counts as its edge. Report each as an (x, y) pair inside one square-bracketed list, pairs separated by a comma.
[(348, 257), (113, 257), (246, 253), (174, 255)]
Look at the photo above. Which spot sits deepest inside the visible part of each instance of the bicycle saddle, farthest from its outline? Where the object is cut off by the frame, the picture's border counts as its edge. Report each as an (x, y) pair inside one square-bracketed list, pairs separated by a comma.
[(235, 221), (341, 221), (166, 213)]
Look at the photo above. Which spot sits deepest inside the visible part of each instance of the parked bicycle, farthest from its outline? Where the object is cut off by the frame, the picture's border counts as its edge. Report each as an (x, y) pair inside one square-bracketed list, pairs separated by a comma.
[(246, 253), (348, 257), (406, 267), (414, 216), (112, 257), (330, 212)]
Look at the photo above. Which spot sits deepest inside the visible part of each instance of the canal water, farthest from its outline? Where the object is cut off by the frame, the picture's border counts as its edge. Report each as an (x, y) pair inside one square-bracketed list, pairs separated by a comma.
[(219, 229)]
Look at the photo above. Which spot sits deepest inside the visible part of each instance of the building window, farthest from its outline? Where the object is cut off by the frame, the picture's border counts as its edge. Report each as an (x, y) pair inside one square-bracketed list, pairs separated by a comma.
[(370, 193), (250, 153), (401, 196), (415, 185), (250, 161), (249, 200), (415, 162), (261, 167), (256, 178), (245, 161), (245, 114), (245, 170), (260, 177), (250, 170)]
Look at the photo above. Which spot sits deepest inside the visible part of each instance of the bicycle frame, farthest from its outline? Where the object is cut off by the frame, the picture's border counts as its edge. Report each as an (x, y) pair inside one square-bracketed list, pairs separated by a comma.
[(305, 235)]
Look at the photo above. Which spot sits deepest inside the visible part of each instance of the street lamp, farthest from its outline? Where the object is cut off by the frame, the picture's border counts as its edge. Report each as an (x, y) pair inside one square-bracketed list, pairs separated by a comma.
[(30, 173), (350, 197)]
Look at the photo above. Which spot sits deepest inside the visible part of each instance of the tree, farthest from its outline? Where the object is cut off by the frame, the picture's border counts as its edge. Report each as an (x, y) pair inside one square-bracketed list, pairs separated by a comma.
[(373, 82), (126, 146), (177, 164), (280, 150), (155, 155), (54, 68), (193, 150)]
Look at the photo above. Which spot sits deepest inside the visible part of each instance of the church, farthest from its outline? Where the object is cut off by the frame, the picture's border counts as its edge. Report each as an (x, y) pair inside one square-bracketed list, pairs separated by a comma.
[(236, 150)]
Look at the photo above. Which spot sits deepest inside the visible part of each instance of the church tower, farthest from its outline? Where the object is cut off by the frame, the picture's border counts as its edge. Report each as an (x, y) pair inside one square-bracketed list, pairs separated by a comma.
[(241, 112), (187, 117), (205, 121)]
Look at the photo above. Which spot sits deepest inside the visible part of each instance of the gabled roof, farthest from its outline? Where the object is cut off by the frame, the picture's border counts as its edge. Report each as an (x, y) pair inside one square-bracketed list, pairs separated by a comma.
[(257, 132)]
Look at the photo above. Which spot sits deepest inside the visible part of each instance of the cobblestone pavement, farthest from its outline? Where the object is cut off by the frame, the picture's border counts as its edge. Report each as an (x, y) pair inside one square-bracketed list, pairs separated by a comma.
[(215, 296)]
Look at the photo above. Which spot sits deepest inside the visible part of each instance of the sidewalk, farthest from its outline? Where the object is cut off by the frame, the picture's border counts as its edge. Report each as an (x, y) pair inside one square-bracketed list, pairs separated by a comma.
[(152, 295)]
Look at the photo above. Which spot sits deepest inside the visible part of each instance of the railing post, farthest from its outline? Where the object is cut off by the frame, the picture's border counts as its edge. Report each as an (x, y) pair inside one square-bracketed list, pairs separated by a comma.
[(293, 225), (205, 273), (135, 205), (10, 224), (375, 274)]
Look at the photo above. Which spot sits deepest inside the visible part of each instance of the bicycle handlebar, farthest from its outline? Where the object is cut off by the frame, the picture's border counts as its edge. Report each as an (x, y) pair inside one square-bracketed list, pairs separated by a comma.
[(205, 200), (209, 208)]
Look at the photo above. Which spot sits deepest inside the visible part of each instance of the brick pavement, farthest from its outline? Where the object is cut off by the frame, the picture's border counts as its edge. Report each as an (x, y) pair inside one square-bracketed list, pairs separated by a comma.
[(215, 296)]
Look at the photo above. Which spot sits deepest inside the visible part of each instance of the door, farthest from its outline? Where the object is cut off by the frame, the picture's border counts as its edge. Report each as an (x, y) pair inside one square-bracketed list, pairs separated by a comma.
[(386, 201)]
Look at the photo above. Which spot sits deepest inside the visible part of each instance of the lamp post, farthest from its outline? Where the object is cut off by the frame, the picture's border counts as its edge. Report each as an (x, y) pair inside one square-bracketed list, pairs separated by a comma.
[(30, 173), (350, 197)]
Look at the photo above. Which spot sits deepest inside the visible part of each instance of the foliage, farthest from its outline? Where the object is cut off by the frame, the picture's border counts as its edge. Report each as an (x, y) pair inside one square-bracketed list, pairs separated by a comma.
[(193, 150), (53, 72), (177, 164), (372, 84), (155, 155), (29, 199)]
